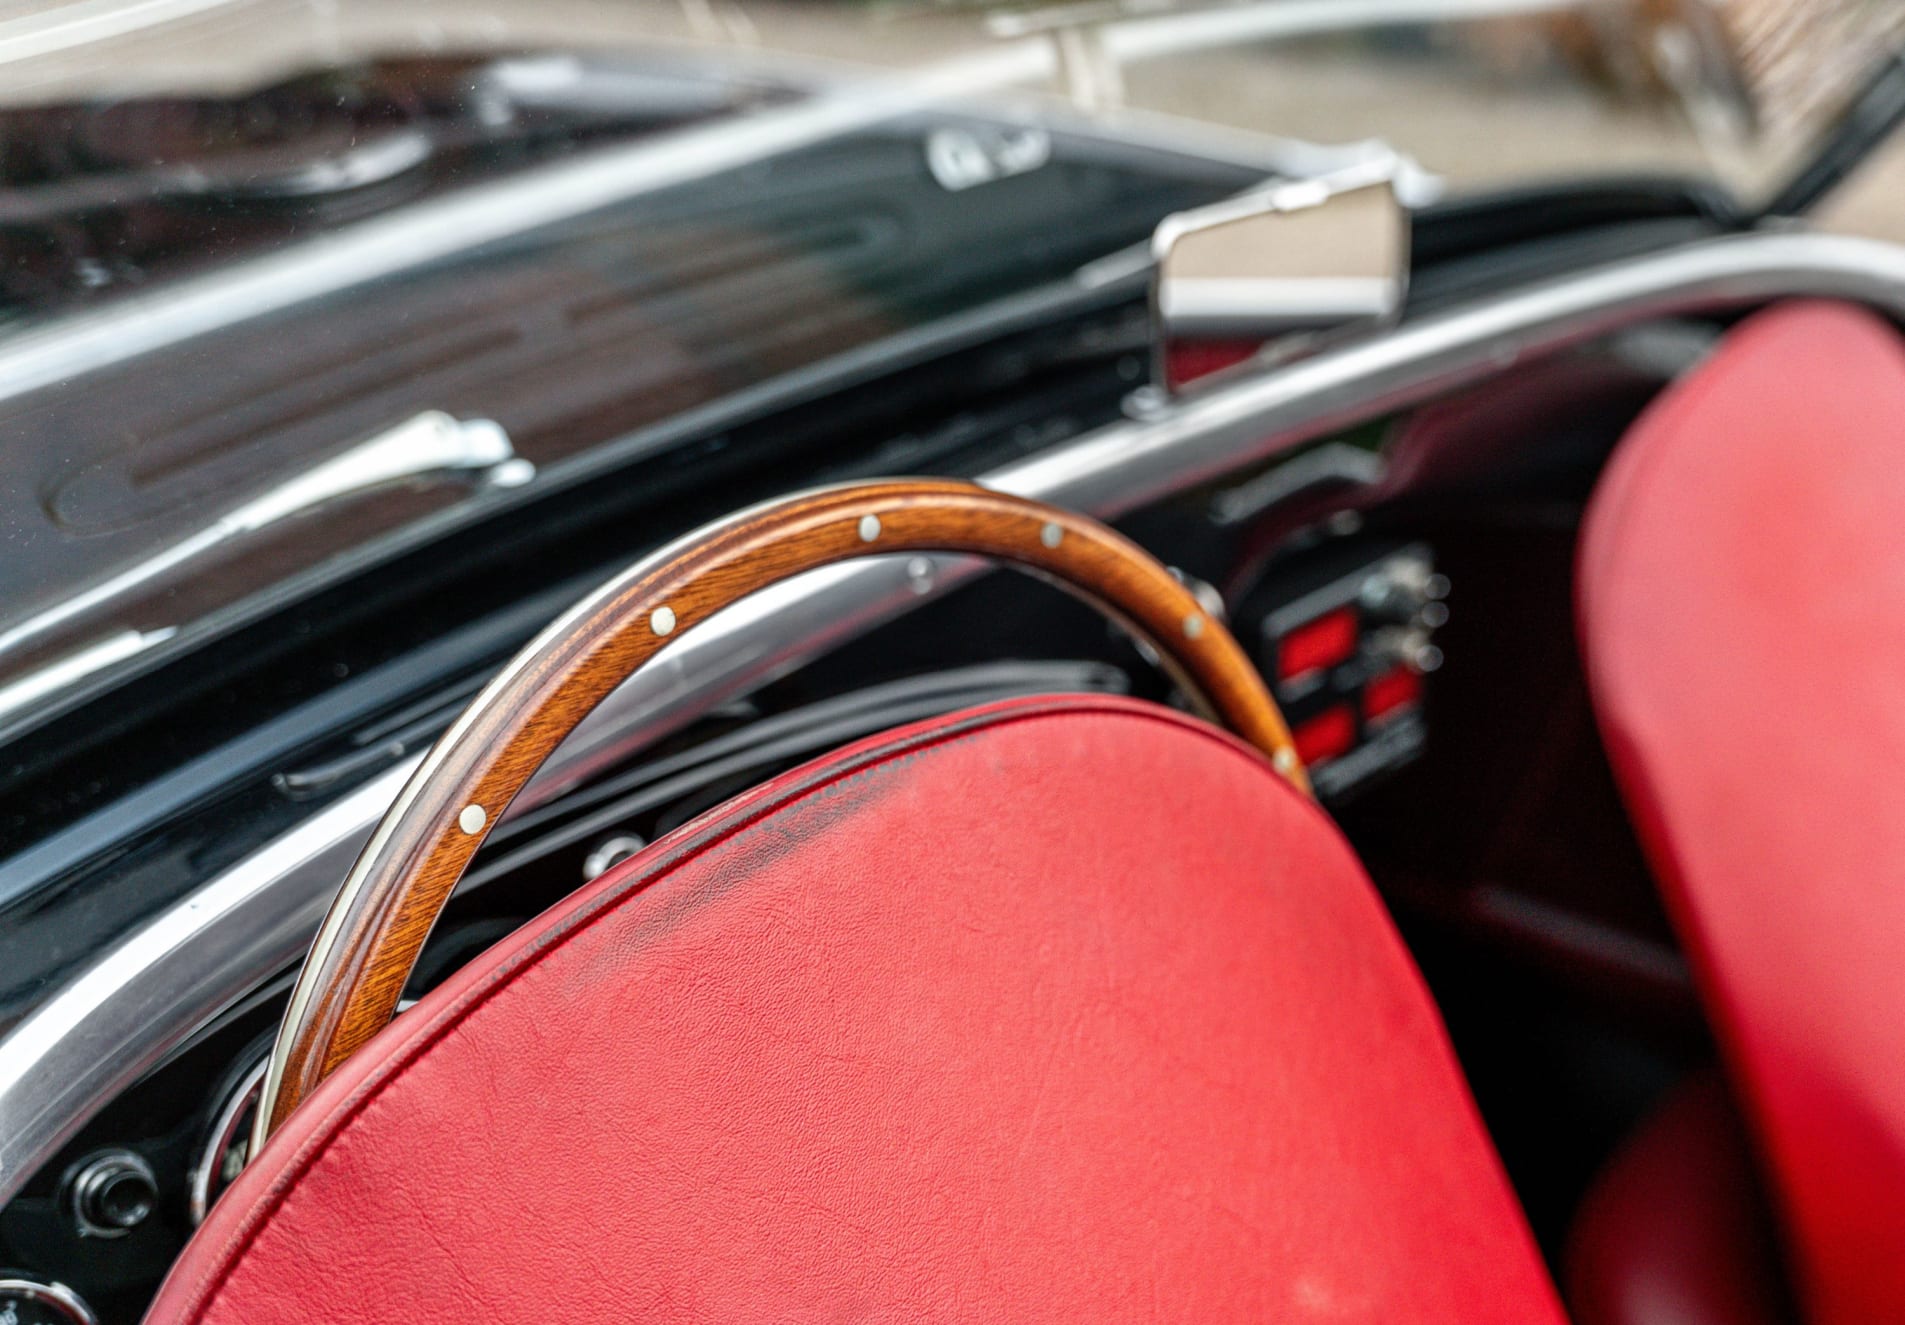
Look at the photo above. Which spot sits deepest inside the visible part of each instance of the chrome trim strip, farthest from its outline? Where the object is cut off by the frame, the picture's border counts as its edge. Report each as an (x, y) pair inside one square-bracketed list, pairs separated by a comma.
[(92, 1038)]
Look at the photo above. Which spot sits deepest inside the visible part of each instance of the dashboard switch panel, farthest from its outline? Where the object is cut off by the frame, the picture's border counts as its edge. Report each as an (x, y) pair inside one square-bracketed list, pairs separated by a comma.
[(1346, 636)]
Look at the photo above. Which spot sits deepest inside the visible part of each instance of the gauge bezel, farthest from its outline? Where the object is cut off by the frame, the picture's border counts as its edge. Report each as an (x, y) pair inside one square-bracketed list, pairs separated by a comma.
[(55, 1295), (226, 1124)]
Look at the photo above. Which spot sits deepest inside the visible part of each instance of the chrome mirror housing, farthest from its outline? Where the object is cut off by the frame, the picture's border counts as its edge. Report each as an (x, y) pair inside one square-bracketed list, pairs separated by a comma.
[(1278, 271)]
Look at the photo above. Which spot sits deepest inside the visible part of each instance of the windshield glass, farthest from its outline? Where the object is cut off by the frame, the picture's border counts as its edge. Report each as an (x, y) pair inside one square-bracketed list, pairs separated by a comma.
[(280, 282)]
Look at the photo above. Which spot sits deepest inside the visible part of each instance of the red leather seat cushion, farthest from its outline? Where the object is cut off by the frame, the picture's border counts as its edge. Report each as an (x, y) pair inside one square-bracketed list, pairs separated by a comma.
[(1062, 1009), (1675, 1230), (1742, 598)]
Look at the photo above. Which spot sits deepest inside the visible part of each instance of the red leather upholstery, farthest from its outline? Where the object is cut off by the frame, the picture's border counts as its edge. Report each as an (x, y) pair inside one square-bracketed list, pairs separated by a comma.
[(1062, 1009), (1742, 599), (1675, 1230)]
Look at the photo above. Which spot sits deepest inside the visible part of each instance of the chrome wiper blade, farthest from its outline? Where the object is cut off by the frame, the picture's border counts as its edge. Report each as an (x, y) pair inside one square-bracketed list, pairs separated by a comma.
[(431, 444)]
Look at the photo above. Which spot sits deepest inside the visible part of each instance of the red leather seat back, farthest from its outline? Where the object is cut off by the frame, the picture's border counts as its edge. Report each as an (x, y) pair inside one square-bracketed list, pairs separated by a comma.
[(1742, 599), (1062, 1009)]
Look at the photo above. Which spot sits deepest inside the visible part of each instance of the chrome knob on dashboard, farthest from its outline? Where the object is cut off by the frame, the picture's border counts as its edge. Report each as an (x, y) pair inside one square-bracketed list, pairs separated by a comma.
[(1406, 590), (28, 1301), (110, 1194)]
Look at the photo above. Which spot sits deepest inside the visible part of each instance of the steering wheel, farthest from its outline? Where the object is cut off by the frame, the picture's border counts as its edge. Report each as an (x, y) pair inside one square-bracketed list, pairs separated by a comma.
[(369, 941)]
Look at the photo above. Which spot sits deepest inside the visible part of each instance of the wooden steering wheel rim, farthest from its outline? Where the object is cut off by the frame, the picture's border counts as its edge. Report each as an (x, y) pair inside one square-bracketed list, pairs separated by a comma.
[(362, 957)]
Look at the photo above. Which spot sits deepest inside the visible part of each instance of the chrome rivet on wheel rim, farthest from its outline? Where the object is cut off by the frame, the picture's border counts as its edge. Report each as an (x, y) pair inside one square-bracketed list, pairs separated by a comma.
[(663, 620), (869, 528), (1051, 535), (472, 819)]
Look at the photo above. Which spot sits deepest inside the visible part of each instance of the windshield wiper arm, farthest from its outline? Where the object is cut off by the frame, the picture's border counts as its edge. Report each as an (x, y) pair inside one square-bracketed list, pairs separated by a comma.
[(432, 443)]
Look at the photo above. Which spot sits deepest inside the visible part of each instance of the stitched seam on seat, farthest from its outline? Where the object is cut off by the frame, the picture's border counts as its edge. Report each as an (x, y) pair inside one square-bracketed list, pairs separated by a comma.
[(301, 1165)]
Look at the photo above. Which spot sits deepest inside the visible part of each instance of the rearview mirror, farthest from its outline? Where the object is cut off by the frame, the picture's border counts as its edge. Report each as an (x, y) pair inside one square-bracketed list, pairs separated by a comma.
[(1275, 272)]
